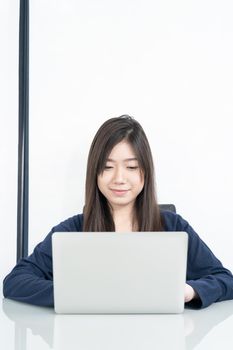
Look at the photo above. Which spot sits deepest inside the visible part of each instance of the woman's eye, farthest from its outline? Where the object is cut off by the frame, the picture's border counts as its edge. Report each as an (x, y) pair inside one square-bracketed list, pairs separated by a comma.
[(129, 167)]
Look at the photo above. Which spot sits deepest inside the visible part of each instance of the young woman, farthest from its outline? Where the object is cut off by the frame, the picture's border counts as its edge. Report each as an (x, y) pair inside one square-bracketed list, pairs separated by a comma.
[(120, 196)]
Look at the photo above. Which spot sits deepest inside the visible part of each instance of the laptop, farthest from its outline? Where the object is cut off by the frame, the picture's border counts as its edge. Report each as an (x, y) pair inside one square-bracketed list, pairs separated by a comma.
[(119, 272)]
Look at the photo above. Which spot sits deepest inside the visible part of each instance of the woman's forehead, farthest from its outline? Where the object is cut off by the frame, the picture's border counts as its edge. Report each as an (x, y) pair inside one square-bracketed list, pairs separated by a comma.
[(122, 151)]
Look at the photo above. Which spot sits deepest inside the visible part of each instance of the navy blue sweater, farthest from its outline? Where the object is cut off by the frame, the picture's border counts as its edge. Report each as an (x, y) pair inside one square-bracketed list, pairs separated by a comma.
[(31, 280)]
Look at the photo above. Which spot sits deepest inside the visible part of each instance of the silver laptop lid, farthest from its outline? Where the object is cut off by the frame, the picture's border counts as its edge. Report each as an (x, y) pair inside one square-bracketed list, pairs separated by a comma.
[(112, 272)]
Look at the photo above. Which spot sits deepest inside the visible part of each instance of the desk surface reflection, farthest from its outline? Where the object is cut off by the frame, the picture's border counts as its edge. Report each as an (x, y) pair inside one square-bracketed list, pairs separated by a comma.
[(26, 327)]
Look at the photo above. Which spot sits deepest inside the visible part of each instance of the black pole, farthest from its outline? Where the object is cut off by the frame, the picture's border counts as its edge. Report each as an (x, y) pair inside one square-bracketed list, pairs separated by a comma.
[(23, 155)]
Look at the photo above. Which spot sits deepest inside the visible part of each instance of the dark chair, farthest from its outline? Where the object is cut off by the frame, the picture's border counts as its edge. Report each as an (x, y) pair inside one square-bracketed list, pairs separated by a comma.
[(170, 207)]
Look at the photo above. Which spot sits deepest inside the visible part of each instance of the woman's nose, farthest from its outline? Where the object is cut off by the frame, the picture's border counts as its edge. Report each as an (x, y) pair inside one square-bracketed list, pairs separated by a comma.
[(119, 175)]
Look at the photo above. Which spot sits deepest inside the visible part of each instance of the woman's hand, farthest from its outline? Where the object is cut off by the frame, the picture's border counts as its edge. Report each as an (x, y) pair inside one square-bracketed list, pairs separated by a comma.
[(189, 293)]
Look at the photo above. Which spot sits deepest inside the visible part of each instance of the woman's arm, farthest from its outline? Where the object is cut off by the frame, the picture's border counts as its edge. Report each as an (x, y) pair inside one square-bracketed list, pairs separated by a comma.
[(205, 273), (209, 279), (31, 280)]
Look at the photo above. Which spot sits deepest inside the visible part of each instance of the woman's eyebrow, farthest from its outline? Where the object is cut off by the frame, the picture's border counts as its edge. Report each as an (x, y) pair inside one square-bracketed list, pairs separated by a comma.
[(125, 160)]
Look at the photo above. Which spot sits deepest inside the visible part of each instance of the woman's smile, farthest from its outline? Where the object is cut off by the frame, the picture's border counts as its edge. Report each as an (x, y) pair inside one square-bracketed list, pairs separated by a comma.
[(119, 192)]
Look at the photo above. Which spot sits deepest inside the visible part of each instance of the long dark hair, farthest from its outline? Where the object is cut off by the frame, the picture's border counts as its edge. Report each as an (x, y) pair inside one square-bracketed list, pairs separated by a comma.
[(97, 214)]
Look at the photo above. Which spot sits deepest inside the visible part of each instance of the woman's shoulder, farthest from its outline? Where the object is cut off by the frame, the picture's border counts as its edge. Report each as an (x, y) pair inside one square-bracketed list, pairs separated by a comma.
[(73, 223), (173, 221)]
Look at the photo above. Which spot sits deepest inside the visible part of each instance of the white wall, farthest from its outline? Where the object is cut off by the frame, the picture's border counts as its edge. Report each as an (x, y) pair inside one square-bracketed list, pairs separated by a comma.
[(8, 133), (167, 63)]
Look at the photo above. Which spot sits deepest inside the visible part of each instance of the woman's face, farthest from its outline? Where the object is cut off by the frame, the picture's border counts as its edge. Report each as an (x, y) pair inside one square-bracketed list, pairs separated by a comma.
[(122, 179)]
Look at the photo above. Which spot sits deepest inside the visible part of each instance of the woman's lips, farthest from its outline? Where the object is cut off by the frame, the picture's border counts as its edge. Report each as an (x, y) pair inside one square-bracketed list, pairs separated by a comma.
[(119, 192)]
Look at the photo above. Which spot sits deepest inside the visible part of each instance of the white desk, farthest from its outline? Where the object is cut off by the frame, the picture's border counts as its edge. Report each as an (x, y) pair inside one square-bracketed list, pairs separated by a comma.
[(25, 327)]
